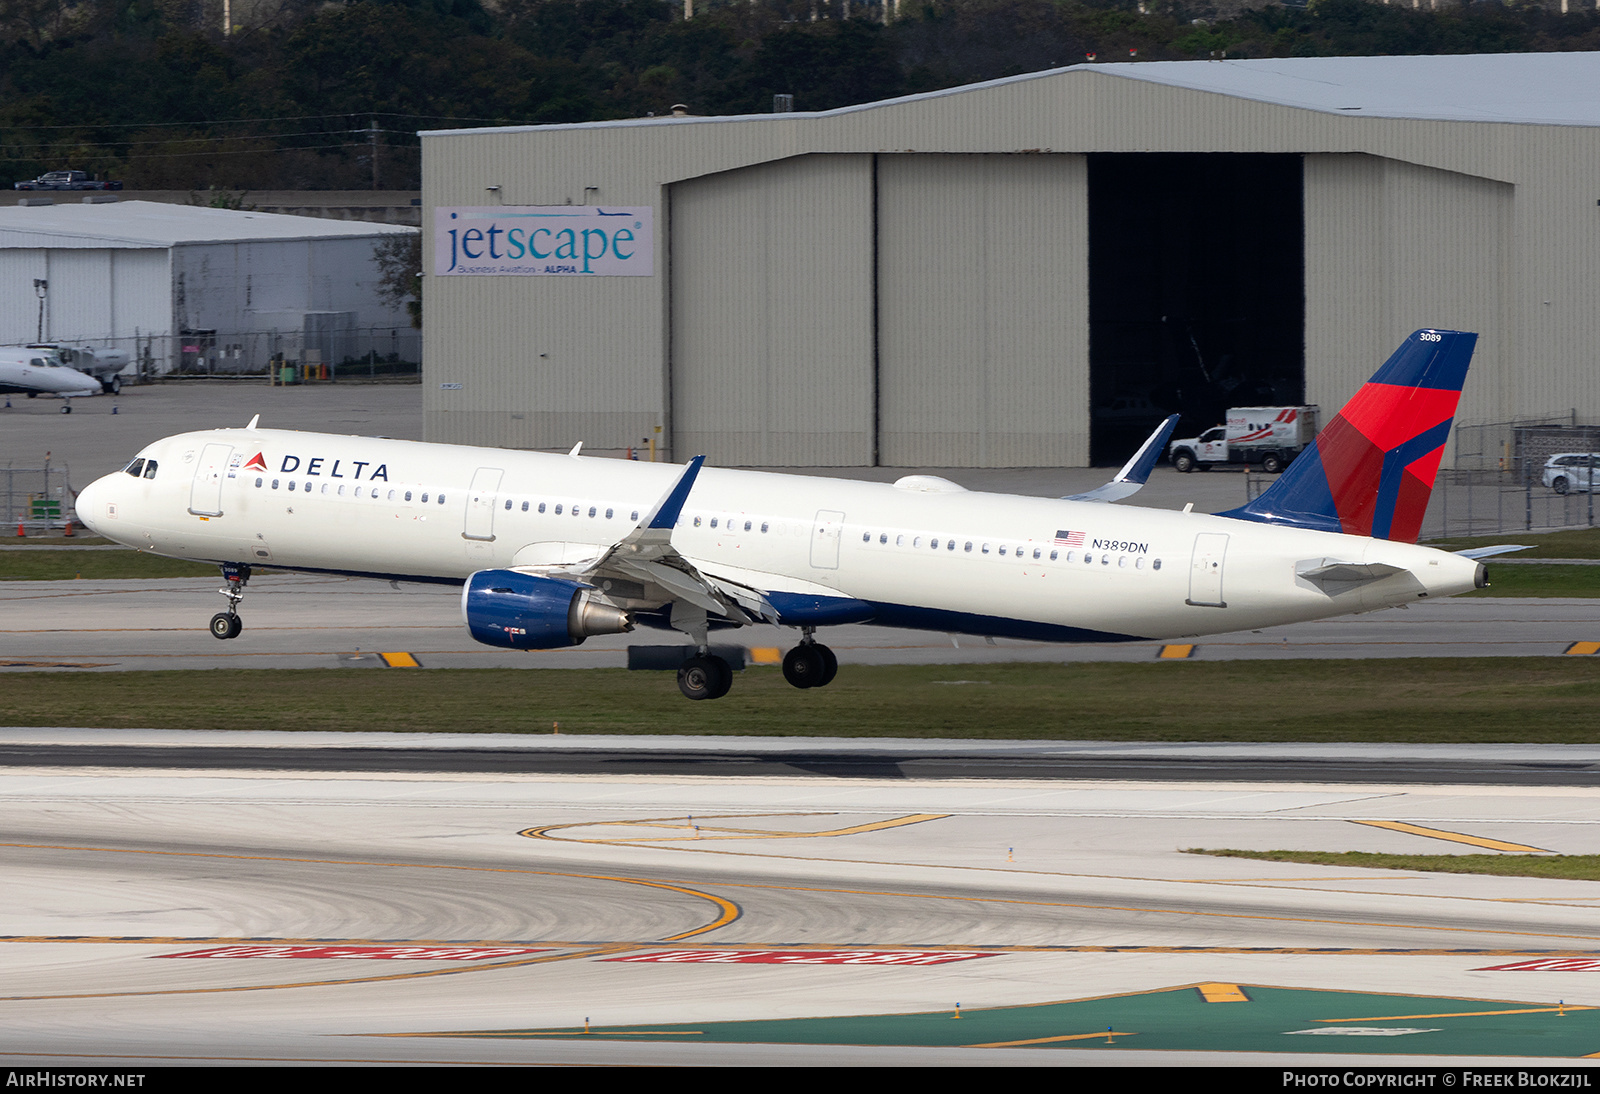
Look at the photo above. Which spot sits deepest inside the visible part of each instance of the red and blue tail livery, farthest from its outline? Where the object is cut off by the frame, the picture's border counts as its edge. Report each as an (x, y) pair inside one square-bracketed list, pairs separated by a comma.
[(1370, 472)]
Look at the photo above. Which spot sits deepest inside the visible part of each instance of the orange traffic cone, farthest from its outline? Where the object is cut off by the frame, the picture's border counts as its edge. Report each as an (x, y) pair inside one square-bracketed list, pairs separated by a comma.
[(20, 533)]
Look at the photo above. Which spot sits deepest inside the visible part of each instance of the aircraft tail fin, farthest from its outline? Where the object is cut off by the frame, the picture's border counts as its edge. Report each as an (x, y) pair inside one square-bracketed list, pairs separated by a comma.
[(1371, 470)]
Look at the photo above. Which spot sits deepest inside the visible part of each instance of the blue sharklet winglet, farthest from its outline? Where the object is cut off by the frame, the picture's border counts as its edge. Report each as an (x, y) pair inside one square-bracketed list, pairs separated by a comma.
[(1136, 472), (665, 514)]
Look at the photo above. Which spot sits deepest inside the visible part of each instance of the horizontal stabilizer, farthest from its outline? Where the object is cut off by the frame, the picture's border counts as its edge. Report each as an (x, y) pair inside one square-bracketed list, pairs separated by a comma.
[(1326, 569), (1490, 552)]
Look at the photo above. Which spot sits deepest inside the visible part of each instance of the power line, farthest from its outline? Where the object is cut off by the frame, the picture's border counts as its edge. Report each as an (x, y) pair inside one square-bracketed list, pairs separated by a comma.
[(252, 121)]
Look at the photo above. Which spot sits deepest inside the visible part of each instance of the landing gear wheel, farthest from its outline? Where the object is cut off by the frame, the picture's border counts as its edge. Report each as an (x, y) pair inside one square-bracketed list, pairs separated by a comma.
[(805, 666), (1271, 465), (112, 386), (66, 408), (830, 666), (705, 677), (226, 626)]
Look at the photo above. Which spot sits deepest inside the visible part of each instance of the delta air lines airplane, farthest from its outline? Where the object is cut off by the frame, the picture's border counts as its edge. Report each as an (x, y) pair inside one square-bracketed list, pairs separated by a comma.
[(550, 549)]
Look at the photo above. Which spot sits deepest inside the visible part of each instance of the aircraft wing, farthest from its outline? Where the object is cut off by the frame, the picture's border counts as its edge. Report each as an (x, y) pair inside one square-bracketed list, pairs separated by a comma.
[(650, 567), (1136, 471)]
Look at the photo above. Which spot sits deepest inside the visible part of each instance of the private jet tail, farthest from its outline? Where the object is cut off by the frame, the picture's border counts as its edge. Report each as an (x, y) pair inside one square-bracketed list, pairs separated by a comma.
[(1371, 470)]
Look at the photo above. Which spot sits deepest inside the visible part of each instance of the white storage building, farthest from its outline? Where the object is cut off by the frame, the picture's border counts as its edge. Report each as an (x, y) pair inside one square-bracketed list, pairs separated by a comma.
[(182, 286)]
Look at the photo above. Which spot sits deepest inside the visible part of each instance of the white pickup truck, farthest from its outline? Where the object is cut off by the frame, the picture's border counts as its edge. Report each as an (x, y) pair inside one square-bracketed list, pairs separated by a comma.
[(1271, 436)]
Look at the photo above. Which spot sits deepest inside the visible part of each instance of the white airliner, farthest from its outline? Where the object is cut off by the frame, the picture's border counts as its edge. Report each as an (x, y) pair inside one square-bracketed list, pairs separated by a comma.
[(551, 549), (30, 372)]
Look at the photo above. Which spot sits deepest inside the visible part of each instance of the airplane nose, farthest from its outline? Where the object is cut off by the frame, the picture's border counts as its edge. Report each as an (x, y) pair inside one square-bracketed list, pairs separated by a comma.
[(91, 506)]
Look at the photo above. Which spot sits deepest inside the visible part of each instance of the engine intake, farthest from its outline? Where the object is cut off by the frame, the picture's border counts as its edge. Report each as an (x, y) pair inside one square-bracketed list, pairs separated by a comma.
[(525, 612)]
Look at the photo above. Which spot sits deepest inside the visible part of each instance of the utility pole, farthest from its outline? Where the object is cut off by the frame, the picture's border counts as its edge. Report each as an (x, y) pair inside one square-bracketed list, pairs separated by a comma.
[(372, 146), (40, 288)]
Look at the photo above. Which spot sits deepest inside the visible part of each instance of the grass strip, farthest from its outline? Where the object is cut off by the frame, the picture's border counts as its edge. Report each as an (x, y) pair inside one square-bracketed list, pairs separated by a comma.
[(1503, 699), (96, 566), (1573, 543), (1574, 867), (1541, 581)]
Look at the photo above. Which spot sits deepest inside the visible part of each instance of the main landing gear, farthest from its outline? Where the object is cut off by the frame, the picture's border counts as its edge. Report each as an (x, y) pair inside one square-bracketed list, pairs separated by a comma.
[(227, 624), (705, 676), (810, 664)]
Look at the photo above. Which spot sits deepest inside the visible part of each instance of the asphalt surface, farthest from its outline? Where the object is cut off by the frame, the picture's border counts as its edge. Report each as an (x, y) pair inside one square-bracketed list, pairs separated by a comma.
[(485, 917), (747, 757)]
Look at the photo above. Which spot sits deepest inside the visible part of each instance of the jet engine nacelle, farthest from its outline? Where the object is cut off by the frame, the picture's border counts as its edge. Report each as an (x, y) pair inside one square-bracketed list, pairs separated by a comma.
[(525, 612)]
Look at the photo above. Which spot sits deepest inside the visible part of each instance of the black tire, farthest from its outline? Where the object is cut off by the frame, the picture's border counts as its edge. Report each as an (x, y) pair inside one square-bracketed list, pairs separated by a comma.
[(1271, 464), (1561, 485), (701, 678), (830, 665), (112, 386), (66, 408), (724, 675), (225, 626), (804, 667), (1184, 462)]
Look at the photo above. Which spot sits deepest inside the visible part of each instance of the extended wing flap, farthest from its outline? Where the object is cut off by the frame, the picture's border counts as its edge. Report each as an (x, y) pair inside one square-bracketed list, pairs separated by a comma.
[(646, 555)]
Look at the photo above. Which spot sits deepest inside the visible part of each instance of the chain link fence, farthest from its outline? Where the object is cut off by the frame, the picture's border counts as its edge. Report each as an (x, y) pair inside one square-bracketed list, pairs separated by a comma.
[(37, 499), (328, 347), (1498, 484)]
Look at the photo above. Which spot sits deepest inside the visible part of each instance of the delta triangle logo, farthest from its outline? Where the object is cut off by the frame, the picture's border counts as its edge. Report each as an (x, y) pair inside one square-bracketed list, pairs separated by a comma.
[(256, 463)]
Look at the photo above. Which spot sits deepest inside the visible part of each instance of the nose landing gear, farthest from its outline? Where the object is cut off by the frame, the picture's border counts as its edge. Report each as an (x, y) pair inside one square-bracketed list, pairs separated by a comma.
[(227, 624), (810, 664)]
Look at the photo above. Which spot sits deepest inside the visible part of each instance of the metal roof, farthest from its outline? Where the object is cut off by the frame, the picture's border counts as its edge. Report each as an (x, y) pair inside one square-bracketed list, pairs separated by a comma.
[(137, 224), (1526, 88)]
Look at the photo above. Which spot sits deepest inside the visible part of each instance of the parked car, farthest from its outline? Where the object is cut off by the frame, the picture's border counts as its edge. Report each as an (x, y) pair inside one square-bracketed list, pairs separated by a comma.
[(65, 180), (1568, 471)]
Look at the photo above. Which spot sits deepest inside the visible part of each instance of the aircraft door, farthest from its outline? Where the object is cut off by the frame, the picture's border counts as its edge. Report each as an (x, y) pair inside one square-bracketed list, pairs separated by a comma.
[(1205, 570), (825, 539), (480, 504), (205, 495)]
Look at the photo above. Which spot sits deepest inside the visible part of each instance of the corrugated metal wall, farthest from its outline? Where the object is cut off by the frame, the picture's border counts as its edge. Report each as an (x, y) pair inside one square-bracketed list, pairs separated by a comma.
[(983, 311), (771, 355), (1409, 222), (94, 294), (1392, 247)]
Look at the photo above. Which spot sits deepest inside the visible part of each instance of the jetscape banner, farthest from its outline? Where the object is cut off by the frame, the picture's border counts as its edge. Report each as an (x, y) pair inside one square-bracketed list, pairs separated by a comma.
[(538, 240)]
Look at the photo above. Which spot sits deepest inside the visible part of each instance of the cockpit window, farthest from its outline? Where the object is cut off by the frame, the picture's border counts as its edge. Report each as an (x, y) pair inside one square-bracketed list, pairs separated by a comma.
[(149, 469), (136, 468)]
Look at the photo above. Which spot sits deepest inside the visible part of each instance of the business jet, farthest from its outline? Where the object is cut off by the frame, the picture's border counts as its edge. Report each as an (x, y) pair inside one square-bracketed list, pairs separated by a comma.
[(33, 373), (550, 549)]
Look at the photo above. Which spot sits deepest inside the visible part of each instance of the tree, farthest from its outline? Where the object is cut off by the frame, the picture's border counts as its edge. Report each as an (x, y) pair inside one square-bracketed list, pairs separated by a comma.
[(399, 259)]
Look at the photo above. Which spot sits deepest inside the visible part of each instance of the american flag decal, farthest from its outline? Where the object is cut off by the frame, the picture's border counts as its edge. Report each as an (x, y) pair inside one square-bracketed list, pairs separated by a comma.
[(1069, 539)]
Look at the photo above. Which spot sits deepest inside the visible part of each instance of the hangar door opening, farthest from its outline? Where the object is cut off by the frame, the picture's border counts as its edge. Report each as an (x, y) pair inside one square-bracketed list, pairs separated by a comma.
[(1196, 291)]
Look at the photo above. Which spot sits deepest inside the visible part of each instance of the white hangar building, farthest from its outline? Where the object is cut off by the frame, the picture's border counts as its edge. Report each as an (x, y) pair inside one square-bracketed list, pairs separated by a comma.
[(154, 278), (1025, 272)]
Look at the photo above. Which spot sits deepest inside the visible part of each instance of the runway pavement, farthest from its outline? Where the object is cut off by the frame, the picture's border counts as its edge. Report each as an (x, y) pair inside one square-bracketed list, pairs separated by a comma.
[(486, 917)]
